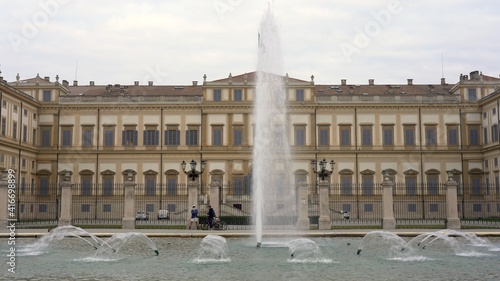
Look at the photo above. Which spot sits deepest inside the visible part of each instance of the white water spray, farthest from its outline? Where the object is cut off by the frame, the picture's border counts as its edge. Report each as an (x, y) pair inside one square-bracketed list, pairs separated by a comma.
[(274, 194)]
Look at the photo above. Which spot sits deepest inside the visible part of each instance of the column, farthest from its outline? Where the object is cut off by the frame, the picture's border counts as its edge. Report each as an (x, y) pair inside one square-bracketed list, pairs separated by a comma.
[(4, 183), (66, 198), (324, 221), (452, 220), (215, 197), (388, 221), (128, 221), (303, 220), (193, 190)]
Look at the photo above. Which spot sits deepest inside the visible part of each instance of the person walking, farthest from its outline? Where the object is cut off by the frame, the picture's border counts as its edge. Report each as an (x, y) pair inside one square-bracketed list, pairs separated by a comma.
[(211, 216), (194, 217)]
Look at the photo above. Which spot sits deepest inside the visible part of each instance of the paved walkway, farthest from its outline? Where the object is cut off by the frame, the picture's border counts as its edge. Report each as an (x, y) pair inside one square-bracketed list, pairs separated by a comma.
[(34, 233)]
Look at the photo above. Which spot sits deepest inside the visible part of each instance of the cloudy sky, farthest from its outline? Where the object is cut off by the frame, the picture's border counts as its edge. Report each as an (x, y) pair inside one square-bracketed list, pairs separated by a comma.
[(176, 42)]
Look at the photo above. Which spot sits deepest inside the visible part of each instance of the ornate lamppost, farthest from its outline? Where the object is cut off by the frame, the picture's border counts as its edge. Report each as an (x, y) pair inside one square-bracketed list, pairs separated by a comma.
[(323, 173), (324, 220), (193, 174)]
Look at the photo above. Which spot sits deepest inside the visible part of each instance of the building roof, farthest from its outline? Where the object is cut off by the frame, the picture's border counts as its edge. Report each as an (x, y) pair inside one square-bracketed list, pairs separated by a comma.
[(382, 89), (251, 77), (135, 90)]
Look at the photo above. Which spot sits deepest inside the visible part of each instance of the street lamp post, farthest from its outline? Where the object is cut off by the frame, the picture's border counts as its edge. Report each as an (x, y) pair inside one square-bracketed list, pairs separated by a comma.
[(193, 174), (193, 186), (324, 220)]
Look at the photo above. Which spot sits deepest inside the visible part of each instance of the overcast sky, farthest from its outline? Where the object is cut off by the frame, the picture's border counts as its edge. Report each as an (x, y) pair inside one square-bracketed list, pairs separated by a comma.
[(176, 42)]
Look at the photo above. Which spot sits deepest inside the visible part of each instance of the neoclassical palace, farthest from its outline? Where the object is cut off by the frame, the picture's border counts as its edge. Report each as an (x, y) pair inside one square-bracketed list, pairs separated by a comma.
[(417, 132)]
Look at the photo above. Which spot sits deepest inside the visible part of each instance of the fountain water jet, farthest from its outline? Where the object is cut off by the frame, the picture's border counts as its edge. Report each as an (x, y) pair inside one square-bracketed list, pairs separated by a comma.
[(273, 193), (213, 249)]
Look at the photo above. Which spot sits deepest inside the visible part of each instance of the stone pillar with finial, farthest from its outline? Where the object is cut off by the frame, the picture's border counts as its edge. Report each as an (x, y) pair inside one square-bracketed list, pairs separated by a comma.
[(215, 196), (324, 221), (128, 221), (193, 191), (388, 220), (303, 222), (452, 220), (66, 197)]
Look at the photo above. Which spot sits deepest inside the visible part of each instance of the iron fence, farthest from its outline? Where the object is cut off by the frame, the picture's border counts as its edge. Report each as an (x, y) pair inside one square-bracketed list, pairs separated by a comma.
[(479, 202), (419, 201), (38, 205)]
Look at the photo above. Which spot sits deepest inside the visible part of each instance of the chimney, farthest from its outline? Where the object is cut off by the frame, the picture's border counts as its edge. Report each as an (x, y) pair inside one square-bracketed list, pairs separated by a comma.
[(150, 83), (371, 81), (65, 83), (343, 82), (474, 75), (410, 81), (136, 83), (91, 83), (195, 83), (75, 83), (46, 78), (443, 81)]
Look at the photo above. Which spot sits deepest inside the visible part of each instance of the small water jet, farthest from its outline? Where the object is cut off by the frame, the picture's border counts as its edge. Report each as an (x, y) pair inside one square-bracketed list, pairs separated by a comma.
[(385, 238), (119, 240), (213, 248)]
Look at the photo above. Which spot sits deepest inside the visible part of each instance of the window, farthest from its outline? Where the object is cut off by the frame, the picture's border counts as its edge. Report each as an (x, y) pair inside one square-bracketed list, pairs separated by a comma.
[(42, 208), (411, 184), (237, 95), (485, 135), (472, 94), (44, 186), (34, 116), (25, 133), (367, 184), (324, 135), (475, 181), (107, 185), (485, 115), (66, 136), (388, 135), (172, 135), (46, 96), (368, 207), (34, 136), (85, 208), (217, 135), (150, 136), (109, 136), (88, 135), (432, 183), (217, 95), (346, 184), (25, 113), (23, 161), (494, 132), (366, 135), (4, 103), (106, 208), (150, 208), (192, 136), (473, 135), (346, 207), (452, 135), (14, 108), (300, 135), (237, 135), (431, 135), (4, 125), (150, 185), (45, 134), (238, 186), (13, 161), (14, 130), (129, 136), (412, 208), (299, 95), (433, 207), (171, 185), (477, 207), (486, 165), (86, 185), (345, 135), (494, 111)]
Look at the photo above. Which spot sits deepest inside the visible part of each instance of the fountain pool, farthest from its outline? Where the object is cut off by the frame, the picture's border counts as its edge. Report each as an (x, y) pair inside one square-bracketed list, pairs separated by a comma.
[(179, 259)]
